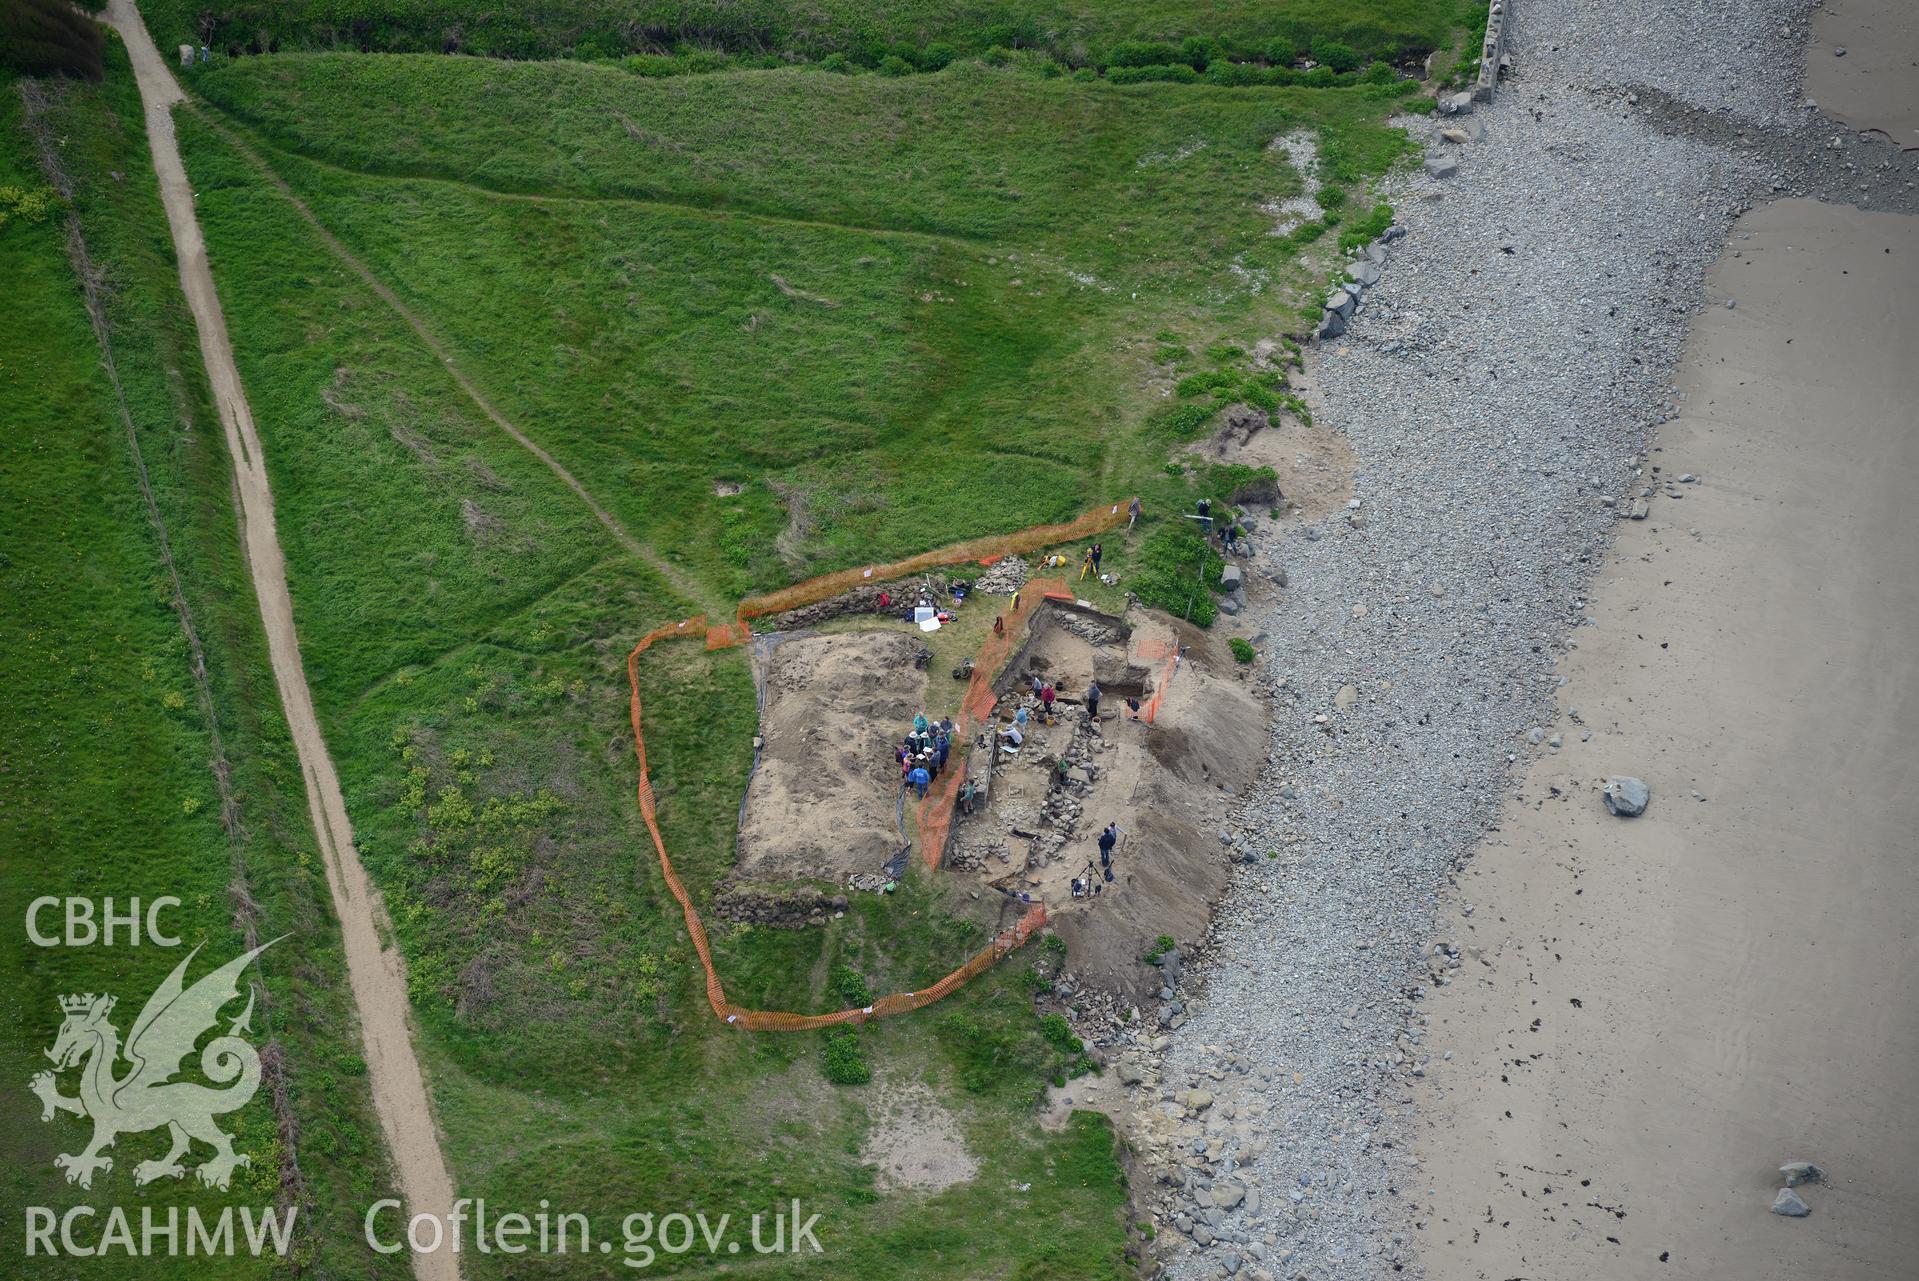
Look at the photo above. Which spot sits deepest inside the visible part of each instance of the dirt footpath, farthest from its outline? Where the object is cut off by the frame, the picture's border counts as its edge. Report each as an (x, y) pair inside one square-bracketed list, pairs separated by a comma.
[(379, 985), (1652, 1014)]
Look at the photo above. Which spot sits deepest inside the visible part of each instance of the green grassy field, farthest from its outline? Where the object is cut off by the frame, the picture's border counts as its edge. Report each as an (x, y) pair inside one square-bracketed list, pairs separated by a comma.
[(1079, 31), (105, 785), (465, 624), (919, 341)]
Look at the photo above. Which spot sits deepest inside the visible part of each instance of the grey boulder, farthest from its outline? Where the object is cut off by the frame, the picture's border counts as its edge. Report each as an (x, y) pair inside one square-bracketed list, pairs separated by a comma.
[(1363, 272), (1790, 1204), (1441, 166), (1798, 1172), (1626, 797)]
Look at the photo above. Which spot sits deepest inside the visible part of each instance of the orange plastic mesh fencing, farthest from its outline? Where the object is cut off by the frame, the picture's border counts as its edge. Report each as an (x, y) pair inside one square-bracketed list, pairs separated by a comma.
[(1000, 644), (728, 635), (827, 586), (776, 1020), (935, 812), (1168, 650)]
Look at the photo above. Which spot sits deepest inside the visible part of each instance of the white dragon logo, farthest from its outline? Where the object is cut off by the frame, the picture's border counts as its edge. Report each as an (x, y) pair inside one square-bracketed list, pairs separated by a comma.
[(146, 1097)]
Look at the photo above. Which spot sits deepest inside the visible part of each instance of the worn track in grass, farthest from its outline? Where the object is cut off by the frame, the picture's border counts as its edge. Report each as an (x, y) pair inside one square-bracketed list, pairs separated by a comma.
[(375, 972)]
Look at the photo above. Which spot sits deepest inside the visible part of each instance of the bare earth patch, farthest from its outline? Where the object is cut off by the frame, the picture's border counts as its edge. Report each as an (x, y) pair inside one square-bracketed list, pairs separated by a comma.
[(915, 1141), (1315, 464), (824, 801)]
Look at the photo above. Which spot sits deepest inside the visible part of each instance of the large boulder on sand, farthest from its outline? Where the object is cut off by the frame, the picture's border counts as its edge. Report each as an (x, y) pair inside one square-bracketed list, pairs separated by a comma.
[(1626, 797)]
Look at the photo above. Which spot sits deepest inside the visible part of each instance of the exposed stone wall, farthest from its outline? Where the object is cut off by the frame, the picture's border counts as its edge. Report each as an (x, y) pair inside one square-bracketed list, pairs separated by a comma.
[(1491, 52), (861, 600), (786, 909)]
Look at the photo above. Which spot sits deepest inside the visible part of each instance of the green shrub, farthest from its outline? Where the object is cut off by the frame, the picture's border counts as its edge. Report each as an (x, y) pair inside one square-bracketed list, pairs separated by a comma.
[(894, 65), (1141, 53), (1198, 51), (1259, 397), (852, 987), (845, 1062), (1175, 73), (1236, 484), (1367, 229), (1237, 74), (1161, 946), (1187, 422), (1023, 33), (1070, 1058), (1336, 54), (1306, 233), (1242, 649), (837, 63), (1294, 41), (18, 204), (1198, 384), (937, 56), (1059, 1034)]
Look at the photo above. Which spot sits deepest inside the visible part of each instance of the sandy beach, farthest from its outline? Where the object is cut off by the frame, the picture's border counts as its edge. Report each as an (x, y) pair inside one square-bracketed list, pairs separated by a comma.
[(1670, 1007), (1874, 84), (1653, 1014)]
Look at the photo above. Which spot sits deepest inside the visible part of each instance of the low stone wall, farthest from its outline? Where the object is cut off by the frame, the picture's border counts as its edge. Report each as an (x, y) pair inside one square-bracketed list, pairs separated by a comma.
[(1491, 52), (785, 909), (861, 600)]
